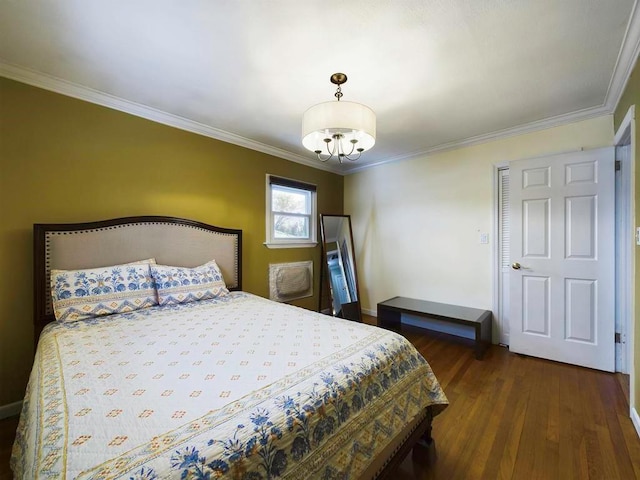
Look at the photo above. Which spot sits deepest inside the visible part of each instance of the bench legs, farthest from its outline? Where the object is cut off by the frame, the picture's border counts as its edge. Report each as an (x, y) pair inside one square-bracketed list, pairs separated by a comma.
[(389, 319), (480, 346)]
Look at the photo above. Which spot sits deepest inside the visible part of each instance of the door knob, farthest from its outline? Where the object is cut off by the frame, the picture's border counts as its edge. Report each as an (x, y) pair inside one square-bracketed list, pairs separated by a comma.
[(515, 266)]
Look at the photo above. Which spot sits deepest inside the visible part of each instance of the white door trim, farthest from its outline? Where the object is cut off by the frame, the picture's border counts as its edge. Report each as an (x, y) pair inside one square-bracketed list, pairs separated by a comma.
[(626, 134), (624, 239), (495, 252)]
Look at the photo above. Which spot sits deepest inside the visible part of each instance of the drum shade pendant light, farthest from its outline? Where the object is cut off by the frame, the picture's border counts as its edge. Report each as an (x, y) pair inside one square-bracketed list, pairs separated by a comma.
[(340, 130)]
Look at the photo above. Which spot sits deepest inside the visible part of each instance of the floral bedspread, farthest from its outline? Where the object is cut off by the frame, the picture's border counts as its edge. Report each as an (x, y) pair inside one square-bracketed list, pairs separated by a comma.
[(239, 387)]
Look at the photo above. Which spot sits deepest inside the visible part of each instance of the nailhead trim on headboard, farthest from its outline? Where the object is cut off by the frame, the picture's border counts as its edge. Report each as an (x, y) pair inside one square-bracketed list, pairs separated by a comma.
[(48, 305), (45, 233)]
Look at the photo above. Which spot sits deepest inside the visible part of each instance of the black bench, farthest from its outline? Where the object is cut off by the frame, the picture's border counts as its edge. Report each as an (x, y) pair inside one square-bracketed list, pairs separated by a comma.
[(390, 313)]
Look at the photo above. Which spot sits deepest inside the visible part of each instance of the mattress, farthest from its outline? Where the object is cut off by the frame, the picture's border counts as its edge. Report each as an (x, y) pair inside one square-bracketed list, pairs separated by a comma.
[(238, 387)]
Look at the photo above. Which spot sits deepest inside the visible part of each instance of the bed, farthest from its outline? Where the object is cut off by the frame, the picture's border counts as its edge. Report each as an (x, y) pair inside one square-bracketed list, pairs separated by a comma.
[(188, 385)]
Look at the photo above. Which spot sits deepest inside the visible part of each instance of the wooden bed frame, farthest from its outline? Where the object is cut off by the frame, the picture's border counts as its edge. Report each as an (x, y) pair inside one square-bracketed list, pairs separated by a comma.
[(171, 241)]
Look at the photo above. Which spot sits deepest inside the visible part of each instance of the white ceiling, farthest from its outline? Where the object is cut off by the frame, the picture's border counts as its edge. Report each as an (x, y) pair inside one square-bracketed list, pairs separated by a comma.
[(438, 73)]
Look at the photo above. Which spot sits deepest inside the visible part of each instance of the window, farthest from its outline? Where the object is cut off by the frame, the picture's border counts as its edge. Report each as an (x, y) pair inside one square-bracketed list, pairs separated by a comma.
[(291, 213)]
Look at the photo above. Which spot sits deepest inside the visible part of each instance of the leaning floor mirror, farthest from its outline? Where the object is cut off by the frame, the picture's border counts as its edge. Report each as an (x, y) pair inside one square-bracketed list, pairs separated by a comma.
[(338, 271)]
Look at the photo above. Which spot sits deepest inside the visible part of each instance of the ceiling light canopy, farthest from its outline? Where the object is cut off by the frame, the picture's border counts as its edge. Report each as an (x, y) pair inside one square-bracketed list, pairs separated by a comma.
[(341, 130)]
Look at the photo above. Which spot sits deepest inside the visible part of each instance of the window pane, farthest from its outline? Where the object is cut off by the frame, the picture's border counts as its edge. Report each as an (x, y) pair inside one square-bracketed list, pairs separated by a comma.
[(289, 200), (286, 226)]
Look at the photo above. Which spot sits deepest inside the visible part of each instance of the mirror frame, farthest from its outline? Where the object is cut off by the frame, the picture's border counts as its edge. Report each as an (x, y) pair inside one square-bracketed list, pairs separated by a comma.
[(354, 313)]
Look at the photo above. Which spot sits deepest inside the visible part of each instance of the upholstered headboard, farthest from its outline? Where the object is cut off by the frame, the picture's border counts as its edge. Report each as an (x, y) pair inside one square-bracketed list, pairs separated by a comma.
[(171, 241)]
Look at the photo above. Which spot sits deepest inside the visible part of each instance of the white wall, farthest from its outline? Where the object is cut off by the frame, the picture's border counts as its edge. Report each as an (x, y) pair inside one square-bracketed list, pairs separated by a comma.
[(416, 223)]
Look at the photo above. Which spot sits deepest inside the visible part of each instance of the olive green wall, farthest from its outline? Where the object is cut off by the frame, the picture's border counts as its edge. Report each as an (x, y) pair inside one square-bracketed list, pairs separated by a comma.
[(631, 96), (65, 160)]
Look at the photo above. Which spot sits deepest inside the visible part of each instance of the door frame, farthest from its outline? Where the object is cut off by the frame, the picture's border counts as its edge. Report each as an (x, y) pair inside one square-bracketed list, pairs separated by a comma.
[(625, 132), (626, 135), (495, 253)]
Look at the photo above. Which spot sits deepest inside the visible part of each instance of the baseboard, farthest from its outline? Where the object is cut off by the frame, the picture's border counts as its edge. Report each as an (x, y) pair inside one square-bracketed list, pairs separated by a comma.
[(636, 420), (373, 313), (10, 410)]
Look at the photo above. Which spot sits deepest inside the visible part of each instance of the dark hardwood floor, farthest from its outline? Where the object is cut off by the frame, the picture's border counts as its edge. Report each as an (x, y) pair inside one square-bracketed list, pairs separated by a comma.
[(510, 417), (7, 434), (517, 417)]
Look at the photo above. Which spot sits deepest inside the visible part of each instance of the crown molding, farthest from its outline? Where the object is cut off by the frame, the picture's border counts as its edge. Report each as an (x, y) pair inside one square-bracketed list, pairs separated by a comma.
[(80, 92), (626, 61), (545, 124), (627, 58), (70, 89)]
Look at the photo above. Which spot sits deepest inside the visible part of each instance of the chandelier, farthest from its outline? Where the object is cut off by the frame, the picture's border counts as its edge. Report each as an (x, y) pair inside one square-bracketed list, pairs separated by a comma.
[(340, 130)]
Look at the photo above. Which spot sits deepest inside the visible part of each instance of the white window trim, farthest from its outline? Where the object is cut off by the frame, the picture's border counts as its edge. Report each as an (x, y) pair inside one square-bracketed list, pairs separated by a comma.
[(272, 242)]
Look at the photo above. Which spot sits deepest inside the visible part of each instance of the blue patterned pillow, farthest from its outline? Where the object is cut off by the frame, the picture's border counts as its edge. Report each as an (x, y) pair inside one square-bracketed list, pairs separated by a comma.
[(182, 285), (80, 294)]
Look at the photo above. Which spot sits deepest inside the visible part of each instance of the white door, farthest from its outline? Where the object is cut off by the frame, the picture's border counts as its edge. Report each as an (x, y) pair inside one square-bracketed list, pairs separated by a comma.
[(562, 255)]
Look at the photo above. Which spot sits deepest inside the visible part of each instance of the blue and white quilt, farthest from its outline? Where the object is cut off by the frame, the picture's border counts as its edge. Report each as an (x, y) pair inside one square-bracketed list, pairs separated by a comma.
[(237, 387)]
